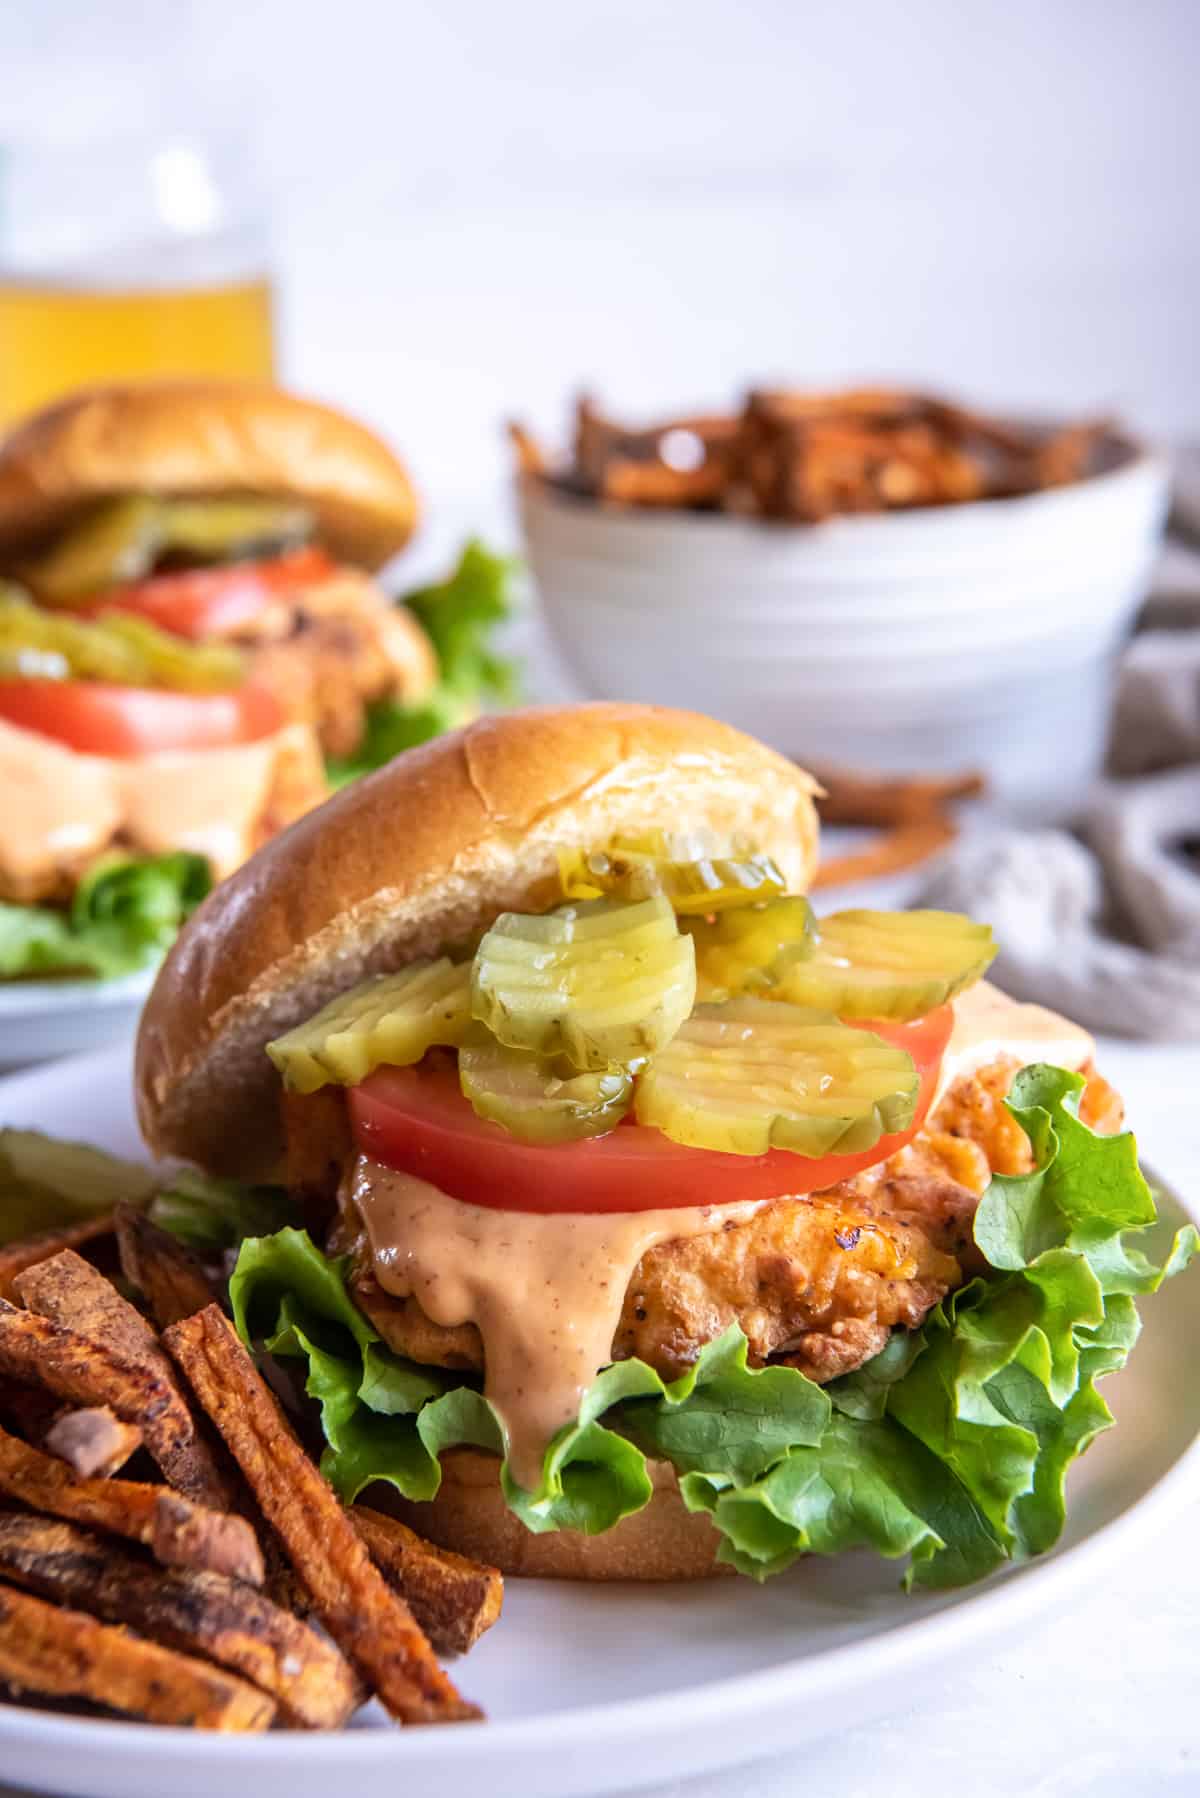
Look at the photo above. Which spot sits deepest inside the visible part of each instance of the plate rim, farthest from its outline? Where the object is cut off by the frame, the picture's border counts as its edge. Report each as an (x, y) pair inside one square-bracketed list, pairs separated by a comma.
[(996, 1607), (44, 998), (1016, 1597)]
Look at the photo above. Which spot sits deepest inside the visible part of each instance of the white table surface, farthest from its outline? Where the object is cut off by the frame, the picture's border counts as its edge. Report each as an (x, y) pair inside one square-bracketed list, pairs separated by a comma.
[(1103, 1700)]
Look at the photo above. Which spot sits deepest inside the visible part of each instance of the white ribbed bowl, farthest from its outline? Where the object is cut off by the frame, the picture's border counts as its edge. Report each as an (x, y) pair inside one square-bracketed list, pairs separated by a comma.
[(979, 635)]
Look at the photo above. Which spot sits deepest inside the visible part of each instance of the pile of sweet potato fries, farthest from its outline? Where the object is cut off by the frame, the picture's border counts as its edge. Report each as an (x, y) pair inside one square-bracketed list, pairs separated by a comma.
[(801, 457), (912, 816), (224, 1587)]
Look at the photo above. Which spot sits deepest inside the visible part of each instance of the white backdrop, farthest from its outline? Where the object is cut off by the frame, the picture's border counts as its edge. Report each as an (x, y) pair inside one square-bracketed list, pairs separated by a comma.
[(481, 205)]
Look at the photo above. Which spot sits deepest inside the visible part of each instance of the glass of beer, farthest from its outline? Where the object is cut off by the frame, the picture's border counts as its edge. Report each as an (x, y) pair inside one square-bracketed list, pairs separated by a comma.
[(128, 259)]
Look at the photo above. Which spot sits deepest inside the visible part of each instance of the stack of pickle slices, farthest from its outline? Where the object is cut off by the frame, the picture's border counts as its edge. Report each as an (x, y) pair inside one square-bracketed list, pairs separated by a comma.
[(118, 648), (124, 539), (687, 991)]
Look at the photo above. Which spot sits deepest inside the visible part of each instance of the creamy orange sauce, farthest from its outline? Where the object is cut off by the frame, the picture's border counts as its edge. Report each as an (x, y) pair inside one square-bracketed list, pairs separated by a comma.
[(988, 1024), (545, 1290), (60, 807)]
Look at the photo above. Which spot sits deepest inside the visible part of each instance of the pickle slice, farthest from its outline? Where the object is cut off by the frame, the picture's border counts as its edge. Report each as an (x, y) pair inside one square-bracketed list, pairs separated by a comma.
[(39, 646), (122, 540), (391, 1019), (694, 880), (539, 1100), (116, 541), (46, 1183), (750, 948), (169, 661), (754, 1074), (883, 964), (128, 651), (604, 984), (214, 529)]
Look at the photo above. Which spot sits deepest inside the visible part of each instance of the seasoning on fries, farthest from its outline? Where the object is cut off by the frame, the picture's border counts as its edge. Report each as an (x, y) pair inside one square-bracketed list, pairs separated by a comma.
[(15, 1257), (99, 1350), (196, 1613), (218, 1621), (369, 1621), (64, 1654), (167, 1275), (801, 457), (453, 1599), (178, 1532)]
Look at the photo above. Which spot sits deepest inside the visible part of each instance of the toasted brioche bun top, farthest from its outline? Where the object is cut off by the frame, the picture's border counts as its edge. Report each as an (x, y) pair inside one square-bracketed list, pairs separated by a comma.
[(206, 437), (415, 859)]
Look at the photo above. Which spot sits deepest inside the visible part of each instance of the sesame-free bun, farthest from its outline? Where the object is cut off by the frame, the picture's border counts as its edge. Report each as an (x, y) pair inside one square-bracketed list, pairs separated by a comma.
[(206, 437), (663, 1541), (417, 858)]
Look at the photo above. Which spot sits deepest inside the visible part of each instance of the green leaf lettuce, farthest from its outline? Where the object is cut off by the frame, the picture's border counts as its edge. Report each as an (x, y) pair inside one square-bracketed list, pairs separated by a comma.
[(951, 1447), (460, 615), (126, 912)]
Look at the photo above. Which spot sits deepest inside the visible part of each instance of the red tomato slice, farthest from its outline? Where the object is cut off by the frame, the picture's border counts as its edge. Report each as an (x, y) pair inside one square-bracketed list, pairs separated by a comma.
[(97, 718), (416, 1120), (215, 602)]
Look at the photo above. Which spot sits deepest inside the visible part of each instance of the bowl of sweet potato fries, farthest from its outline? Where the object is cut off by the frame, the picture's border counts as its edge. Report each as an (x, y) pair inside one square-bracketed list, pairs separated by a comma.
[(877, 577)]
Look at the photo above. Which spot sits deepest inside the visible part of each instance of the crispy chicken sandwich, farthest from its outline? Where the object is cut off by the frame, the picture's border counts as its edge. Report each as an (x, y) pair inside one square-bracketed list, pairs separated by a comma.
[(136, 769), (224, 513), (645, 1223), (188, 608)]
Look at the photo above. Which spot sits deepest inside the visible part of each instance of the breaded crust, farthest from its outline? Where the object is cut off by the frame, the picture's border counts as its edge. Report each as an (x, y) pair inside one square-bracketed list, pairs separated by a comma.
[(917, 1207), (818, 1282)]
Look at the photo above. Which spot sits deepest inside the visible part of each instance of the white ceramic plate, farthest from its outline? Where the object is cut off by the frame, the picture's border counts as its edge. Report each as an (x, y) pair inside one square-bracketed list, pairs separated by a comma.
[(595, 1689), (43, 1019)]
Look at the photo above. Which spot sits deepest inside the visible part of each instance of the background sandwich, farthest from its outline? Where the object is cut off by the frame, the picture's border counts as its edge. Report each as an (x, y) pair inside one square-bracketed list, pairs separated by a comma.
[(215, 544), (136, 770), (654, 1225), (235, 513)]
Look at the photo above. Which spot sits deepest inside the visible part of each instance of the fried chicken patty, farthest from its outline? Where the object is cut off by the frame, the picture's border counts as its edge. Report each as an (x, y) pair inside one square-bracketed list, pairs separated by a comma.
[(330, 651), (817, 1282)]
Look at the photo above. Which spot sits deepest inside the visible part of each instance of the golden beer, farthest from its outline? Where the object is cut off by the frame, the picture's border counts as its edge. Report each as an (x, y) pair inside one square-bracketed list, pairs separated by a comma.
[(129, 258), (56, 337)]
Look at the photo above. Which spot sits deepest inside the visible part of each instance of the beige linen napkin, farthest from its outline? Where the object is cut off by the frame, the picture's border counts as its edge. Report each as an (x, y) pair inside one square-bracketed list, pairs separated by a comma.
[(1105, 924)]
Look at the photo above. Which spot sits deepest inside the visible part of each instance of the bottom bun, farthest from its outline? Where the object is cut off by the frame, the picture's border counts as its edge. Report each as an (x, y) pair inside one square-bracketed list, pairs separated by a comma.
[(665, 1541)]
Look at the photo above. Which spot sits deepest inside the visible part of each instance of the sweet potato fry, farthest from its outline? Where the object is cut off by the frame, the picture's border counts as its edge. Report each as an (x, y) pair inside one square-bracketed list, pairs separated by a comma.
[(63, 1654), (894, 850), (189, 1535), (453, 1599), (93, 1442), (528, 451), (370, 1623), (883, 800), (178, 1532), (15, 1257), (28, 1409), (168, 1276), (630, 483), (84, 1341), (802, 457), (196, 1613)]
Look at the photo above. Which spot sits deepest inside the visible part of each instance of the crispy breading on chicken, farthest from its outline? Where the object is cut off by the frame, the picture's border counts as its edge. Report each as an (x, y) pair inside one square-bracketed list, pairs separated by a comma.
[(817, 1282), (331, 650)]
